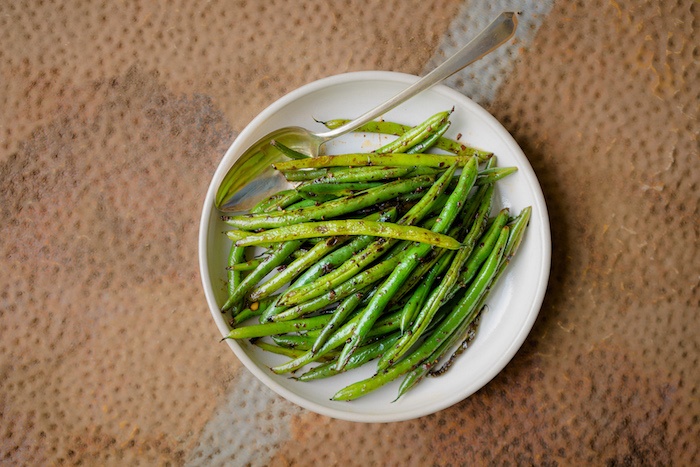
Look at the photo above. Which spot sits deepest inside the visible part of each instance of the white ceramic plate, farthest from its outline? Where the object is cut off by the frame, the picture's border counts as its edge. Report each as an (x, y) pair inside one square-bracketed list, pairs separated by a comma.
[(514, 303)]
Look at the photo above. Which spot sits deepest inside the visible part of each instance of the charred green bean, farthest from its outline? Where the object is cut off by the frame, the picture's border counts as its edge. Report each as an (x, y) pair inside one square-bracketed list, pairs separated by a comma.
[(344, 227), (329, 209)]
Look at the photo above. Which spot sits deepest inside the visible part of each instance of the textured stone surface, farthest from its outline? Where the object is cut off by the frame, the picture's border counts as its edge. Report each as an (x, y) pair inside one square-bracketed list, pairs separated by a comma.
[(113, 118)]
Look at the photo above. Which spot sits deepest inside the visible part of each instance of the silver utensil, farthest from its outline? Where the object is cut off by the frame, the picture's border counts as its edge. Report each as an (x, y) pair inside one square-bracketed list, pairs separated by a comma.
[(252, 169)]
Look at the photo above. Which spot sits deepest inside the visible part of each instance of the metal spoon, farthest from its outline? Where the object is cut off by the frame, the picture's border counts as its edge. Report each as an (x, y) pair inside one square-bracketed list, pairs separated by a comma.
[(251, 173)]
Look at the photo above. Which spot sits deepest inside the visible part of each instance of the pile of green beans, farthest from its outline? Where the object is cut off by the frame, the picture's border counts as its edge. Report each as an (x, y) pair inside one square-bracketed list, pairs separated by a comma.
[(386, 256)]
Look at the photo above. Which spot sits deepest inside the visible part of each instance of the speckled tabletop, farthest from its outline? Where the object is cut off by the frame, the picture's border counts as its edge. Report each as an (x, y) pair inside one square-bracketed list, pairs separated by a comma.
[(113, 117)]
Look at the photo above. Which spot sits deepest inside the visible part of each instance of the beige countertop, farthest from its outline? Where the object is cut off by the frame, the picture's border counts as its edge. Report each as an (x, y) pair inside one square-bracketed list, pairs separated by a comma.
[(113, 117)]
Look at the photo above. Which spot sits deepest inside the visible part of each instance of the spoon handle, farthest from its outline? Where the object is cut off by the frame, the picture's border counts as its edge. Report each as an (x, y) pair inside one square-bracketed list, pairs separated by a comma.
[(495, 34)]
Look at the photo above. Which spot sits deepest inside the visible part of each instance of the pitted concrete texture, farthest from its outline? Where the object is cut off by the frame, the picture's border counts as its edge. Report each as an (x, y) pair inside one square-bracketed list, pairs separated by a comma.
[(113, 117)]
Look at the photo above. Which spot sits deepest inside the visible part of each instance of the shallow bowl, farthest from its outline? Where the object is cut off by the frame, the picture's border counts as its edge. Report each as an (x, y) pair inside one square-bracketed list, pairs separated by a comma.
[(513, 304)]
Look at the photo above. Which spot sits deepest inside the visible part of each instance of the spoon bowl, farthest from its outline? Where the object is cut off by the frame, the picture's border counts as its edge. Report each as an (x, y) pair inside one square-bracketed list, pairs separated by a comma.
[(252, 176)]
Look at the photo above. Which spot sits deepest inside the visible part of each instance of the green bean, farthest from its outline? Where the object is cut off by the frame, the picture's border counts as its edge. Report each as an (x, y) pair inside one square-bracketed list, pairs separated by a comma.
[(474, 199), (397, 276), (304, 203), (335, 189), (318, 198), (383, 326), (340, 256), (295, 341), (416, 134), (254, 309), (278, 201), (359, 281), (263, 203), (287, 151), (457, 198), (461, 149), (276, 349), (343, 227), (417, 277), (438, 295), (314, 333), (397, 129), (479, 255), (418, 373), (235, 257), (476, 218), (381, 159), (475, 211), (291, 352), (409, 261), (485, 176), (426, 204), (427, 263), (494, 174), (430, 141), (464, 335), (464, 310), (270, 329), (350, 174), (375, 126), (421, 292), (296, 267), (344, 309), (340, 287), (244, 266), (296, 254), (329, 209), (517, 229), (280, 253), (363, 355), (304, 175), (242, 316), (330, 261), (517, 232), (370, 253), (491, 163), (422, 170)]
